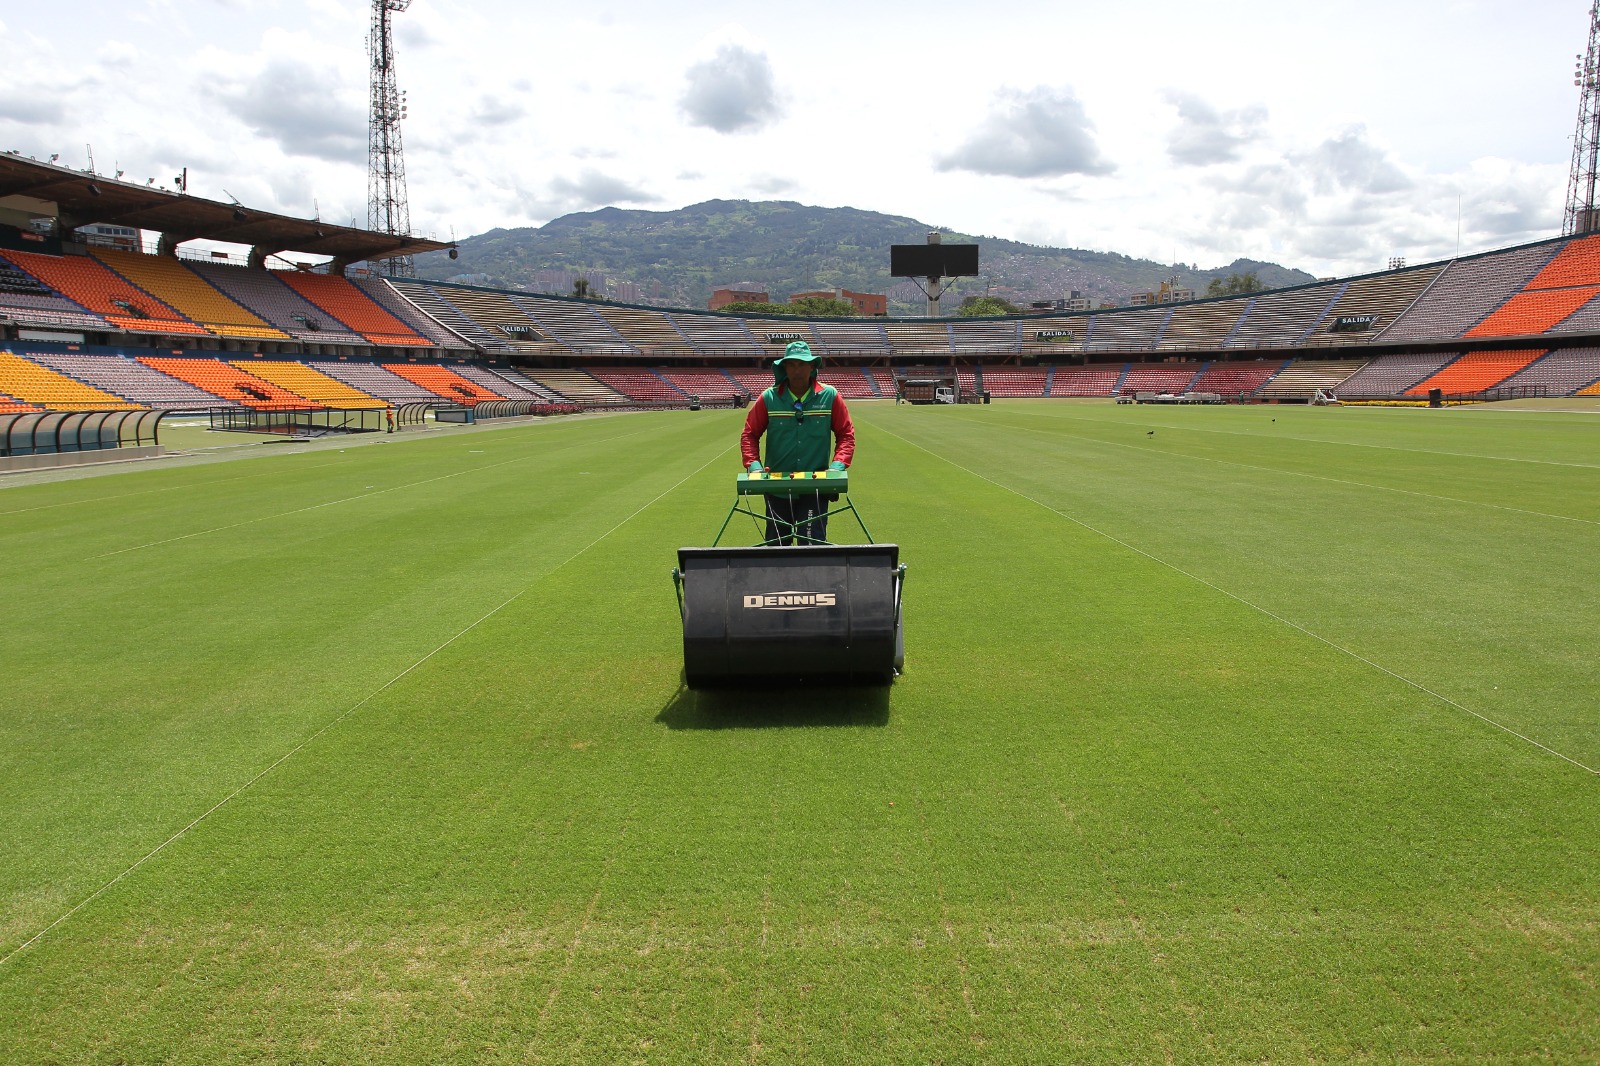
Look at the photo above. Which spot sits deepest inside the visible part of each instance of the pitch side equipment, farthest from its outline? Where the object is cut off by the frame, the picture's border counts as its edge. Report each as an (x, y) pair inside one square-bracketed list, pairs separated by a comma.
[(813, 610)]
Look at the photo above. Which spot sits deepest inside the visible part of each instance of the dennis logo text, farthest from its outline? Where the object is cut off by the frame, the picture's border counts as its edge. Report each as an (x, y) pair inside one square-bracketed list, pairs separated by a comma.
[(789, 601)]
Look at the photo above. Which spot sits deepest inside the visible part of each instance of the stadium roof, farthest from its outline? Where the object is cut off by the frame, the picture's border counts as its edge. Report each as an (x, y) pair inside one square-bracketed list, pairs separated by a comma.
[(84, 198)]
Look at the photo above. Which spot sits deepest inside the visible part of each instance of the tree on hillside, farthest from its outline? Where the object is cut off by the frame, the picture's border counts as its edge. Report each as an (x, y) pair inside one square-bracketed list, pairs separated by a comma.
[(823, 307), (1234, 285), (987, 307), (580, 288)]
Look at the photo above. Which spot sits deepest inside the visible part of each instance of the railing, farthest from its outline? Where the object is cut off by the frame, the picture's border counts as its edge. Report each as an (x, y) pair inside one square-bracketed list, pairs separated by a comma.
[(296, 421)]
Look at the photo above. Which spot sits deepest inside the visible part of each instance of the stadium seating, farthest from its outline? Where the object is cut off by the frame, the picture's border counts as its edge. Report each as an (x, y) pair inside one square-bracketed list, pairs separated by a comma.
[(88, 282), (277, 304), (1096, 379), (42, 386), (1127, 331), (1474, 372), (1383, 297), (1205, 325), (651, 332), (374, 380), (310, 383), (339, 298), (229, 383), (498, 381), (1015, 380), (10, 405), (575, 326), (643, 385), (445, 383), (835, 336), (431, 300), (1304, 378), (977, 336), (1561, 372), (1391, 375), (709, 385), (496, 316), (528, 385), (1533, 312), (918, 338), (716, 335), (1242, 378), (1578, 263), (578, 386), (382, 292), (1279, 319), (127, 378), (1159, 377), (30, 302), (181, 288), (1466, 292)]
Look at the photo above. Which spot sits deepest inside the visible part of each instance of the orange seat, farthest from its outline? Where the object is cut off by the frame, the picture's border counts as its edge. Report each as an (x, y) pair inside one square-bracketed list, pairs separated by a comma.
[(442, 381), (92, 284), (229, 382), (1475, 372), (348, 304)]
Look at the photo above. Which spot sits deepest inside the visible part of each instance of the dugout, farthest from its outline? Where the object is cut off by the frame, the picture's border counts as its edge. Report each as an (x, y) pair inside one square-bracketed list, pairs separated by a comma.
[(30, 440)]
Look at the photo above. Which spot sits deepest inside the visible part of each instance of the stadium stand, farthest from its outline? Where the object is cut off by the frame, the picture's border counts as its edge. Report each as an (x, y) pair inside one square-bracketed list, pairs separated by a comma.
[(1466, 292), (1474, 372), (229, 382), (127, 378), (717, 335), (30, 302), (1285, 317), (374, 380), (309, 382), (1205, 325), (10, 405), (651, 332), (496, 381), (387, 297), (644, 384), (1126, 330), (42, 386), (526, 384), (190, 294), (339, 298), (1098, 379), (88, 282), (1304, 378), (709, 385), (1533, 312), (1159, 377), (837, 336), (277, 304), (430, 301), (577, 385), (1015, 380), (1242, 378), (575, 326), (1561, 372), (1578, 263), (1391, 375), (918, 338), (978, 336), (446, 383), (497, 316), (1383, 296)]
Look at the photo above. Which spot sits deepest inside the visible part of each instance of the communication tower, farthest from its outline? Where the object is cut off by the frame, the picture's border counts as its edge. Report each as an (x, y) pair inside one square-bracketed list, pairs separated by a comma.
[(1582, 216), (388, 209)]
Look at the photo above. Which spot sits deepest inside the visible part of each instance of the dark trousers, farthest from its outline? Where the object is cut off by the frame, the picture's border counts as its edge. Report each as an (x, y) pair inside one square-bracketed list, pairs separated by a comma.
[(798, 519)]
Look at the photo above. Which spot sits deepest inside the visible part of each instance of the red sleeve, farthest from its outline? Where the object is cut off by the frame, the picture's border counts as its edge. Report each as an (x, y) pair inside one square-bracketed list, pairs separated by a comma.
[(755, 424), (844, 432)]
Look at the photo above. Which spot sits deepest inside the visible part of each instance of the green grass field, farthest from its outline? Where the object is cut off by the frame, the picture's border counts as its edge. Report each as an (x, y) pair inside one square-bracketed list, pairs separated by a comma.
[(1246, 734)]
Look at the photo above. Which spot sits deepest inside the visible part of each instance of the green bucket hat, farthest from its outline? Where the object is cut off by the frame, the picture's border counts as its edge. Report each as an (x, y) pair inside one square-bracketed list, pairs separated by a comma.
[(799, 350)]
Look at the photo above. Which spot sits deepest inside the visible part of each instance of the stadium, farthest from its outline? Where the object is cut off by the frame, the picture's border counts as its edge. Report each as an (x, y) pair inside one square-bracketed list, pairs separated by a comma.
[(1248, 709)]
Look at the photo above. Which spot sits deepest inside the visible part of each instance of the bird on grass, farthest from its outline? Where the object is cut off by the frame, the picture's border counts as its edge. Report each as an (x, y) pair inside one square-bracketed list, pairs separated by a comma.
[(1151, 433)]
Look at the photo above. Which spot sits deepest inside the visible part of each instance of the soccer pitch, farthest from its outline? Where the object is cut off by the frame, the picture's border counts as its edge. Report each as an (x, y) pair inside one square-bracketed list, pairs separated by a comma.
[(1262, 734)]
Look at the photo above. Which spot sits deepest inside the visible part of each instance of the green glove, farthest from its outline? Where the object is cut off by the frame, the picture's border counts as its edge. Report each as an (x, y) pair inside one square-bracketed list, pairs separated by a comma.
[(836, 465), (754, 467)]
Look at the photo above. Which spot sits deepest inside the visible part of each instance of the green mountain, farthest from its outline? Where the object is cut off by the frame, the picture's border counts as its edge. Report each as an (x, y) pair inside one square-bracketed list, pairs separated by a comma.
[(676, 258)]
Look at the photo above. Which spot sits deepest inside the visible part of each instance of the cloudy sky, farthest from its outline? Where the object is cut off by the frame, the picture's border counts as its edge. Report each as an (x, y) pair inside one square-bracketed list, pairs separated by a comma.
[(1327, 137)]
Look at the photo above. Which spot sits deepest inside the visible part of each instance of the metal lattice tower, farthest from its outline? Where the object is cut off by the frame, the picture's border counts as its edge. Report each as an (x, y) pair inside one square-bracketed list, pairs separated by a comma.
[(388, 209), (1582, 216)]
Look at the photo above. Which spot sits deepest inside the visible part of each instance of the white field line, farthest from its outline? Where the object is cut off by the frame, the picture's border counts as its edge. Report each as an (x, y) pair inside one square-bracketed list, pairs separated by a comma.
[(1298, 473), (347, 499), (1339, 443), (164, 488), (1253, 606), (286, 756)]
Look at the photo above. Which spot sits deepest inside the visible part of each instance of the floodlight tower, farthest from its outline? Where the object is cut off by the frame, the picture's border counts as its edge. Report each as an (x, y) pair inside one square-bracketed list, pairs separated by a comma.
[(388, 209), (1582, 216)]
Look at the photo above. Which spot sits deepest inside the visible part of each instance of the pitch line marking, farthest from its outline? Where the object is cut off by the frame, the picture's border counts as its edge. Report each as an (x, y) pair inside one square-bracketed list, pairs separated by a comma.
[(335, 503), (1344, 443), (1299, 473), (368, 698), (147, 492), (1254, 607)]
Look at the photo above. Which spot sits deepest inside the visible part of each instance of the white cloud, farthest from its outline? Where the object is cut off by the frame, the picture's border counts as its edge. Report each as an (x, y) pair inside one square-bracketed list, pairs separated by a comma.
[(1205, 135), (1035, 133), (732, 92)]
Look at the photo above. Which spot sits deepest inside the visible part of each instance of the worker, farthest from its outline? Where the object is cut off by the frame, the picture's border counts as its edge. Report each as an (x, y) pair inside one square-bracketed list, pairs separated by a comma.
[(800, 417)]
